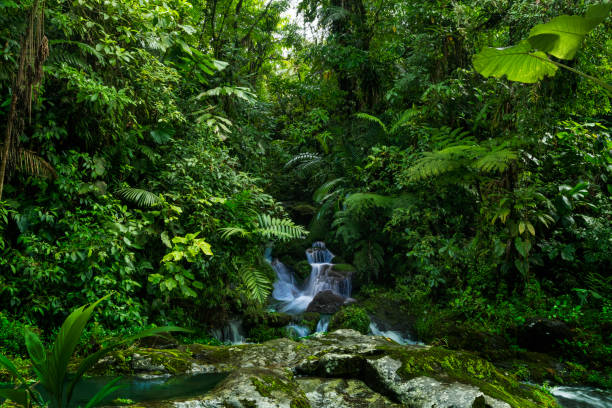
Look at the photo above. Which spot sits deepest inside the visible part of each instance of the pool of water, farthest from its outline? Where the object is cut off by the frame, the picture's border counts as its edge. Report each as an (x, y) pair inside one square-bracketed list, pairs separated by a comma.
[(582, 397), (147, 389)]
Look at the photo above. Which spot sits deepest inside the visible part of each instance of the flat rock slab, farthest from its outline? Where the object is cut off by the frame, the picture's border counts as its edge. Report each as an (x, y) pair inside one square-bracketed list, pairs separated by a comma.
[(341, 369)]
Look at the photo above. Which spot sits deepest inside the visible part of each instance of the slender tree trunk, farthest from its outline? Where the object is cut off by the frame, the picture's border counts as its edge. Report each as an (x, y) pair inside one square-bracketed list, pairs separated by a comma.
[(6, 147)]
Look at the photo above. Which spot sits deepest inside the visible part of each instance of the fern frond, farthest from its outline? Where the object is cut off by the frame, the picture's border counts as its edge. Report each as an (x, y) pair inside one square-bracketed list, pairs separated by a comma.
[(371, 118), (257, 283), (435, 163), (138, 196), (326, 190), (281, 229), (228, 232), (359, 202), (497, 160)]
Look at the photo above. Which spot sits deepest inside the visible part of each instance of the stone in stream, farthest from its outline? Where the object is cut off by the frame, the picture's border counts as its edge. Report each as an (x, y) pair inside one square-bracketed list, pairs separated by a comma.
[(326, 302), (342, 369)]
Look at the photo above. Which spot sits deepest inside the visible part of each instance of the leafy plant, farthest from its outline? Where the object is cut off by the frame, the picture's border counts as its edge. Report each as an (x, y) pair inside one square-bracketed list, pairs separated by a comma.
[(51, 365), (528, 61)]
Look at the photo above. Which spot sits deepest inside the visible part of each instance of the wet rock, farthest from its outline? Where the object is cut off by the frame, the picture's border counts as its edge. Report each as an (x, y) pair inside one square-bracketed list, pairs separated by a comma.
[(543, 335), (341, 393), (346, 369), (326, 302)]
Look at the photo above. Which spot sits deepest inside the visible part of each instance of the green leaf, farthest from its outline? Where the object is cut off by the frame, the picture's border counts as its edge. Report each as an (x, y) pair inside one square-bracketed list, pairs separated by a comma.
[(21, 397), (517, 63), (107, 390), (563, 35), (522, 246), (6, 363), (35, 348)]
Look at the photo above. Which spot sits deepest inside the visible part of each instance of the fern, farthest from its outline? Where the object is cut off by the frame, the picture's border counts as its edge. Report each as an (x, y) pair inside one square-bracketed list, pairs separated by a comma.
[(373, 119), (496, 160), (305, 162), (138, 196), (281, 229), (326, 190), (228, 232), (257, 283)]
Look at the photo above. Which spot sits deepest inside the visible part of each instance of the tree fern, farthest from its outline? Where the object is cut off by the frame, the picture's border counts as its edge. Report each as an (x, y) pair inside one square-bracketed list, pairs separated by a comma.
[(278, 228), (305, 162), (142, 198)]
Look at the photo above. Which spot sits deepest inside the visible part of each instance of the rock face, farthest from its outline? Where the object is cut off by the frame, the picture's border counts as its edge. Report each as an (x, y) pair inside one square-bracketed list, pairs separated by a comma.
[(543, 335), (326, 302), (339, 369)]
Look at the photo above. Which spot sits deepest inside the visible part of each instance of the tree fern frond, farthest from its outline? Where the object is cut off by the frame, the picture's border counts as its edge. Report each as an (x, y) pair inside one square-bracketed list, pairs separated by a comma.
[(358, 202), (371, 118), (138, 196), (496, 160), (438, 162), (282, 229), (257, 283)]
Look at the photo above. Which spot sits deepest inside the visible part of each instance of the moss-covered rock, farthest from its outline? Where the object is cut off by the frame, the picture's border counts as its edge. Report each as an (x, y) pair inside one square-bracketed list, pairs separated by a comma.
[(381, 372), (351, 317)]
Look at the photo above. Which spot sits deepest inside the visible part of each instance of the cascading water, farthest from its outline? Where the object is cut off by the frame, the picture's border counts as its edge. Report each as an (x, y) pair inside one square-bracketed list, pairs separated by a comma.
[(323, 324), (295, 299), (232, 333)]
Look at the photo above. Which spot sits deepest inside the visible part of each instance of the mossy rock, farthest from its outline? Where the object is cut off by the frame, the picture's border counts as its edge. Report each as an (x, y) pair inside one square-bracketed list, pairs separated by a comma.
[(463, 367), (262, 333), (351, 317)]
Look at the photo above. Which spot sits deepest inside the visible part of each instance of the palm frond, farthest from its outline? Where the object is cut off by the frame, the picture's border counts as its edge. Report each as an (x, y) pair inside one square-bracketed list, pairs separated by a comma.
[(31, 163), (138, 196)]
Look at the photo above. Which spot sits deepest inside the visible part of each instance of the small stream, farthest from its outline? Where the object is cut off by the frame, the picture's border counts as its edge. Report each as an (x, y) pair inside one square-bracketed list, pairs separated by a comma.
[(582, 397)]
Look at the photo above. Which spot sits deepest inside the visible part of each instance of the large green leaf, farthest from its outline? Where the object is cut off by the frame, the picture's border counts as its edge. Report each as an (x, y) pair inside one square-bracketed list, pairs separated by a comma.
[(518, 63), (563, 35)]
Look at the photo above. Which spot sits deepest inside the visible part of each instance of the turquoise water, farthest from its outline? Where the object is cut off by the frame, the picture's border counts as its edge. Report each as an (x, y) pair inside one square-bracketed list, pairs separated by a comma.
[(149, 389)]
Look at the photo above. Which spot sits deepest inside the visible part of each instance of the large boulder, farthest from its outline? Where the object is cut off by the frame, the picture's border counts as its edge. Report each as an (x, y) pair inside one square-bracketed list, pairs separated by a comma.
[(342, 369), (326, 302), (543, 335)]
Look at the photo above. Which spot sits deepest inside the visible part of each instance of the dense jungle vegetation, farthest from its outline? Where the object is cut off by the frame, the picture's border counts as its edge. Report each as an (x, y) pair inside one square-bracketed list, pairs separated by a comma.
[(167, 143)]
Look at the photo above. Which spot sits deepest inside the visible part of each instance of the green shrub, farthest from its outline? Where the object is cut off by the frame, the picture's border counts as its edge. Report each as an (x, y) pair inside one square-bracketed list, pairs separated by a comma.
[(351, 317)]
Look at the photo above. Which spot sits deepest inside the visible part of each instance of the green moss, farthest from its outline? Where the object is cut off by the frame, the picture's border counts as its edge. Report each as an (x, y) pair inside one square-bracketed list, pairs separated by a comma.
[(467, 368), (268, 385), (262, 333), (351, 317)]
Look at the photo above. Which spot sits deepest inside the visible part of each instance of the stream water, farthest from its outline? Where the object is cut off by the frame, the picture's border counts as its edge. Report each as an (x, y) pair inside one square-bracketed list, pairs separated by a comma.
[(582, 397)]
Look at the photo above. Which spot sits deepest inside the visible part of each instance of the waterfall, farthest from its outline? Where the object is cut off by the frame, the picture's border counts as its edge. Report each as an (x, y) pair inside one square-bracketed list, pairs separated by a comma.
[(232, 333), (323, 323), (393, 335), (295, 298)]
